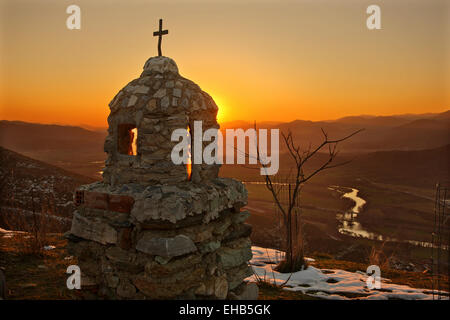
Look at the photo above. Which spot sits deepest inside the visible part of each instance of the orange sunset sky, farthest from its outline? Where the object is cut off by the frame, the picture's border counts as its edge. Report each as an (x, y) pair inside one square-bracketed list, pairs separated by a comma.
[(260, 60)]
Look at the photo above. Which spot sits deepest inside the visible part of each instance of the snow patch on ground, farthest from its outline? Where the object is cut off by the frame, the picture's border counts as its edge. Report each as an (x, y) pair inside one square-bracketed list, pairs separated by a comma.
[(9, 233), (328, 283)]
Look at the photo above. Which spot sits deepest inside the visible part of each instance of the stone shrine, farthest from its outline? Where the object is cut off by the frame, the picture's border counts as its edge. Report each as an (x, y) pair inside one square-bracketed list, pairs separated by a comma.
[(153, 229)]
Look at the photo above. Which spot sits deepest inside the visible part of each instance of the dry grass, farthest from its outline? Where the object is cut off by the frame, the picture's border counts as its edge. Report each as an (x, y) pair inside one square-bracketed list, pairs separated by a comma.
[(378, 257), (35, 239), (31, 276), (38, 223), (268, 291)]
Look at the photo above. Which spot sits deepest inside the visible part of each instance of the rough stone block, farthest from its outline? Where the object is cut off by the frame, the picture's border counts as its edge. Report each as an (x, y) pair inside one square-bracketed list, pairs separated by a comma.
[(232, 257), (249, 291), (117, 254), (160, 93), (168, 288), (240, 217), (93, 229), (126, 289), (210, 246), (166, 247), (132, 101), (120, 203), (241, 230), (173, 266), (141, 89), (124, 239), (237, 274), (96, 200), (221, 288)]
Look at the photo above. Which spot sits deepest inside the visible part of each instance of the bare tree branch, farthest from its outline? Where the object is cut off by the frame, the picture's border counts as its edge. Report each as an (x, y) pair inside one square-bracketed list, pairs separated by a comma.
[(300, 158)]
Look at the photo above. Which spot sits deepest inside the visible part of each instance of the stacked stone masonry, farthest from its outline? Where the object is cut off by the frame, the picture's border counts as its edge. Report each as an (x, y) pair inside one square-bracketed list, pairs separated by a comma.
[(157, 103), (147, 231)]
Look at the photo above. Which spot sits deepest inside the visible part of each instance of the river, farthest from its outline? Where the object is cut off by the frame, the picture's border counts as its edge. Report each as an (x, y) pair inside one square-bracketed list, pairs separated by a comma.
[(349, 225)]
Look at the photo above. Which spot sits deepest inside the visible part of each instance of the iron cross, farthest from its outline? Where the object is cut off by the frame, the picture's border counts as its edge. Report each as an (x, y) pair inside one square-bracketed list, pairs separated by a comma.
[(160, 33)]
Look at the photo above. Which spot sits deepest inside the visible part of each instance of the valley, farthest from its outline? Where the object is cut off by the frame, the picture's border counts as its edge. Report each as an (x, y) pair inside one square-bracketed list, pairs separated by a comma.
[(394, 164)]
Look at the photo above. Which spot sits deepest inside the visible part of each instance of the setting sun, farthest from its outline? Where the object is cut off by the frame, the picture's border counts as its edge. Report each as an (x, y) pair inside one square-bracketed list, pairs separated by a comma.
[(221, 104)]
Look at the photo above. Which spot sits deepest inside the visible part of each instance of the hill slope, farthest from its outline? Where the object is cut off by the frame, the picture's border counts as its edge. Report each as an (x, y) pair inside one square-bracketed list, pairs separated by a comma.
[(382, 133), (72, 148), (419, 168), (28, 185)]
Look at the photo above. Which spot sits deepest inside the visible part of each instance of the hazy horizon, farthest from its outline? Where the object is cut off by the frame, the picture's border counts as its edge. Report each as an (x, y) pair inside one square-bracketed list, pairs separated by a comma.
[(87, 126)]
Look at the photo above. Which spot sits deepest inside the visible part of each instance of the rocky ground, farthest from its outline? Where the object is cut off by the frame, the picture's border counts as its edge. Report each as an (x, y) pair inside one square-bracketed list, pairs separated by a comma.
[(43, 276)]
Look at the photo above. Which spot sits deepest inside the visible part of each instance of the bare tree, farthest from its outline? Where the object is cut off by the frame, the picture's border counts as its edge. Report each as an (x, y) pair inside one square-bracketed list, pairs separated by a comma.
[(297, 177)]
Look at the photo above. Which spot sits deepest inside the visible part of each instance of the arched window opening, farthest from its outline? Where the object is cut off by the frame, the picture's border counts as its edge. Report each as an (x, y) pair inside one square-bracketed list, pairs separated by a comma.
[(127, 139)]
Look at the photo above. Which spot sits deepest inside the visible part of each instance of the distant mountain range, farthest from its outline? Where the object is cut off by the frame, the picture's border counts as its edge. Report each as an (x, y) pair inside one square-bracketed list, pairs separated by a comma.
[(360, 119), (73, 148), (381, 133), (31, 137), (81, 150)]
